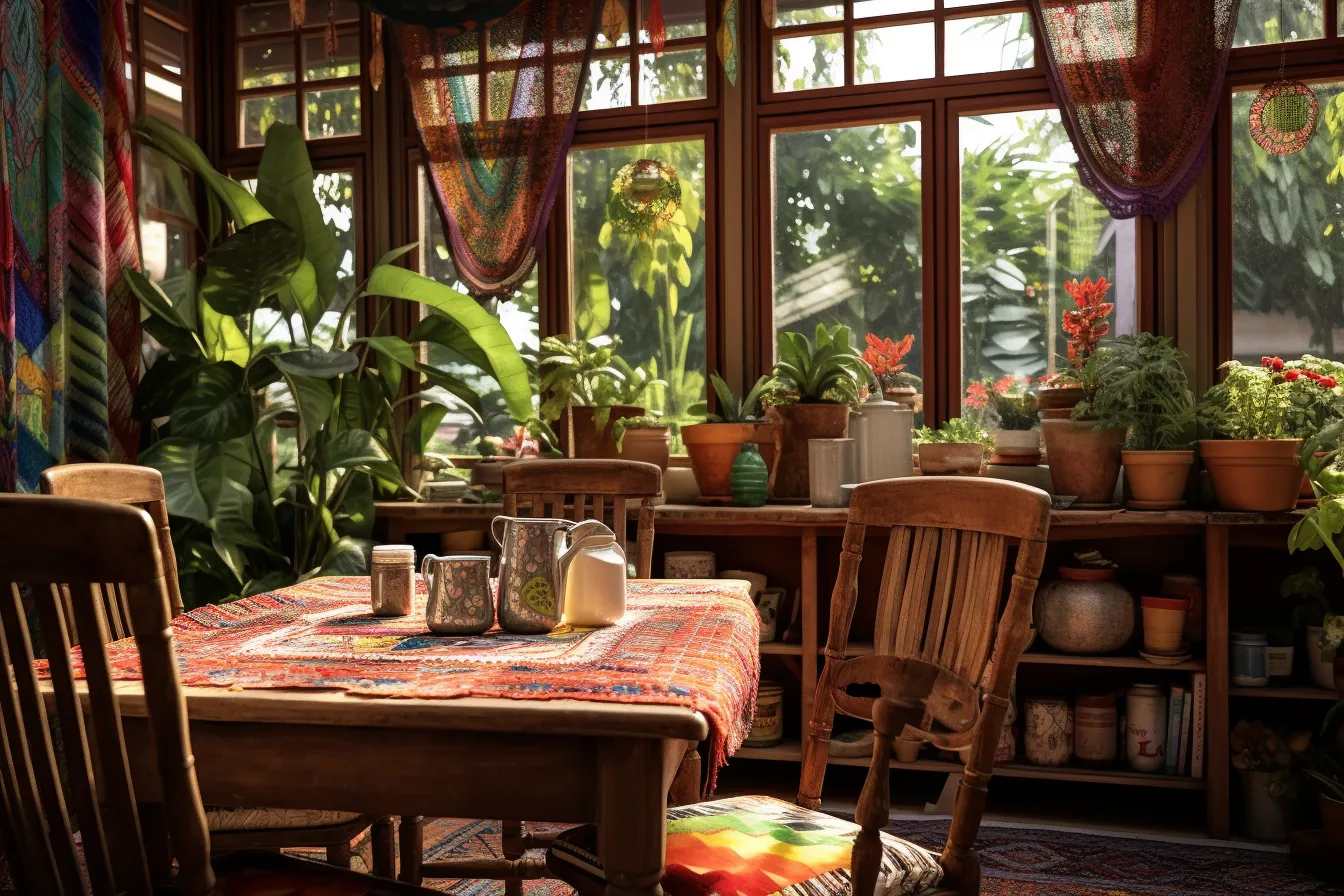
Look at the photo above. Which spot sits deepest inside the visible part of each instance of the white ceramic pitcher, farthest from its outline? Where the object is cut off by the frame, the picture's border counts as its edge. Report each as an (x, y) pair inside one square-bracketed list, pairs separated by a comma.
[(590, 574)]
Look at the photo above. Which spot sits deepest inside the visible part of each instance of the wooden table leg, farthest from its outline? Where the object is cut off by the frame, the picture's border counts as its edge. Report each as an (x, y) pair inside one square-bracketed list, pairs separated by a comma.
[(631, 813), (384, 847), (411, 848)]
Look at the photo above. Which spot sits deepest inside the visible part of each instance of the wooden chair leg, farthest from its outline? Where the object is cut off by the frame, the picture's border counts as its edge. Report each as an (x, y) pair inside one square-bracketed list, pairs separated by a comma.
[(513, 848), (411, 845), (339, 854), (384, 849), (686, 785)]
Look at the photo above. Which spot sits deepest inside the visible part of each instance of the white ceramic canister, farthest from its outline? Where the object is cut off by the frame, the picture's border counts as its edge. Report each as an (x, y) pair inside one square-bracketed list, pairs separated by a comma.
[(767, 728), (1146, 728), (830, 465), (1048, 736), (881, 432)]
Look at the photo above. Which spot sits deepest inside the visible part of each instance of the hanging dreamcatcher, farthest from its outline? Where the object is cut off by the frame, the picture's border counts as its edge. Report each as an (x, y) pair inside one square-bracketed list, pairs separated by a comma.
[(645, 195), (1283, 116)]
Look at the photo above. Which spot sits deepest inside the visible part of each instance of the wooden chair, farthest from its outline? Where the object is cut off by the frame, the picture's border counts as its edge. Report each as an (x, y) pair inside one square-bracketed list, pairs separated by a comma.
[(946, 644), (230, 828), (67, 554)]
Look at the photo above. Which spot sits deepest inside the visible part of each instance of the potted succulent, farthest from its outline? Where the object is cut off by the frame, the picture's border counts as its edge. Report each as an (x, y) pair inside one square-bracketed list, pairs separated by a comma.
[(1085, 324), (957, 447), (590, 384), (1007, 406), (819, 380), (1268, 782), (714, 444), (1141, 388), (645, 438), (1259, 417), (884, 357), (1326, 768)]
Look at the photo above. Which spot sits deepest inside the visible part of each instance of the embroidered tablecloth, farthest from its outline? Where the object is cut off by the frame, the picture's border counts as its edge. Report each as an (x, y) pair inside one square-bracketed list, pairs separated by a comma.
[(687, 643)]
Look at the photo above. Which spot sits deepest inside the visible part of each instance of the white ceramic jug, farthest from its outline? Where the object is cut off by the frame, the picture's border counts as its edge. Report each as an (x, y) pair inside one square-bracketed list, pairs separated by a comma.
[(881, 431), (590, 573)]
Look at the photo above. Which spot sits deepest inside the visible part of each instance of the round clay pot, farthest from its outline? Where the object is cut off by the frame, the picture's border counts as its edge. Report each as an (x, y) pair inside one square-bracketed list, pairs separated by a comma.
[(590, 442), (1164, 623), (1018, 443), (1157, 478), (1084, 611), (765, 435), (1332, 817), (1084, 462), (1260, 475), (951, 459), (1056, 403), (713, 447), (652, 445), (802, 423)]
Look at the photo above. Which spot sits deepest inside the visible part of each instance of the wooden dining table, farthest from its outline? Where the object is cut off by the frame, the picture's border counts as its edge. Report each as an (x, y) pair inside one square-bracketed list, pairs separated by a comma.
[(384, 718)]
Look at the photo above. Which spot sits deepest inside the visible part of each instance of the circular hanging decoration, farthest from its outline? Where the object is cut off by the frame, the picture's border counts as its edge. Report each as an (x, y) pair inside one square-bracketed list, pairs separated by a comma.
[(1283, 116), (644, 196)]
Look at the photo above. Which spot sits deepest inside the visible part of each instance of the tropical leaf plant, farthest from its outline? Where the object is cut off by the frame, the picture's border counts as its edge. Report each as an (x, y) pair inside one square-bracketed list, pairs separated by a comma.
[(828, 369), (273, 430), (1141, 387), (734, 408)]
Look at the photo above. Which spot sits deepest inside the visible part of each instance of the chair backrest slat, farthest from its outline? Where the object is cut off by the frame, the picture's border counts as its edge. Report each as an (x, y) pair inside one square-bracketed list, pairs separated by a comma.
[(89, 569), (585, 490)]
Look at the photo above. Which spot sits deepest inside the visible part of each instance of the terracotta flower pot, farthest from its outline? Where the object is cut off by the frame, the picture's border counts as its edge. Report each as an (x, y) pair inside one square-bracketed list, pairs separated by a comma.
[(1157, 478), (1018, 444), (803, 422), (1332, 817), (1260, 475), (951, 459), (1164, 623), (713, 447), (765, 436), (590, 442), (1056, 403), (1084, 462), (651, 444)]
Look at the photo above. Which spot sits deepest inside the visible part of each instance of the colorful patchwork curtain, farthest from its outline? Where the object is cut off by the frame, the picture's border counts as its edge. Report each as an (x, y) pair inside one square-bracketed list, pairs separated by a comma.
[(1138, 83), (69, 334), (496, 107)]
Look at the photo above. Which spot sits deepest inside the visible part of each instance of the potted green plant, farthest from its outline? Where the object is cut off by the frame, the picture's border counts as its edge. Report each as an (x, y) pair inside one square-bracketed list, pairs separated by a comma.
[(1141, 388), (885, 357), (1326, 767), (714, 444), (1268, 780), (820, 380), (645, 438), (1258, 417), (957, 447), (1007, 407), (587, 385)]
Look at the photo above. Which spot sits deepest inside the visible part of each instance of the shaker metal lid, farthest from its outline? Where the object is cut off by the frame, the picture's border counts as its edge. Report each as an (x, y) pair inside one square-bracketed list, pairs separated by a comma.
[(394, 553)]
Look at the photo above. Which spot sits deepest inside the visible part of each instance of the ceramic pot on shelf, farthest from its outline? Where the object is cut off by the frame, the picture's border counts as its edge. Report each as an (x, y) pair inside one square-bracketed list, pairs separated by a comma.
[(908, 396), (1056, 402), (1146, 728), (802, 423), (765, 435), (881, 431), (1322, 671), (1164, 623), (1084, 611), (1084, 462), (712, 448), (830, 466), (651, 444), (1257, 475), (749, 478), (590, 442), (1048, 739), (1156, 479), (1094, 730), (1191, 588), (951, 459), (1266, 816), (1019, 446)]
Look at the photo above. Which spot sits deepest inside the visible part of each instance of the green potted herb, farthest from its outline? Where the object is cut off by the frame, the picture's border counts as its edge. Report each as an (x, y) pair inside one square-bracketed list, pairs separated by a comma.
[(820, 380), (957, 447), (645, 438), (591, 385), (1141, 389), (714, 444)]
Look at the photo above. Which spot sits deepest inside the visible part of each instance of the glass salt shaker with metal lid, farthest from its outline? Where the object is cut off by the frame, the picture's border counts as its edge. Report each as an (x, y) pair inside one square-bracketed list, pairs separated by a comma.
[(392, 579)]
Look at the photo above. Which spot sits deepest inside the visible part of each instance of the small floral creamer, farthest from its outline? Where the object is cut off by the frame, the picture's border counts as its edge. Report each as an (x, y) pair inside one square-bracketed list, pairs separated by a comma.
[(460, 602)]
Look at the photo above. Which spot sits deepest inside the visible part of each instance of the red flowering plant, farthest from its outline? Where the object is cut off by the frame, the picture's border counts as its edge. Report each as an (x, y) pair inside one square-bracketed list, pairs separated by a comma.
[(1085, 325), (1007, 402), (884, 357), (1275, 400)]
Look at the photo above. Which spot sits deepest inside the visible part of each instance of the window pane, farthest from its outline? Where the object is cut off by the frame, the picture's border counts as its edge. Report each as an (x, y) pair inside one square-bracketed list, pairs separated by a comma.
[(345, 64), (1287, 242), (809, 62), (316, 13), (1276, 21), (608, 84), (332, 113), (847, 242), (335, 191), (681, 18), (153, 188), (165, 46), (164, 247), (259, 112), (988, 44), (898, 53), (1027, 226), (263, 18), (646, 290), (164, 100), (868, 8), (803, 12), (266, 64), (673, 76)]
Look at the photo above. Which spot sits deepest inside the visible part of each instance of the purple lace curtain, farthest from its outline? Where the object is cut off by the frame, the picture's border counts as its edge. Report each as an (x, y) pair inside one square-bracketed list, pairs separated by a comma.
[(1138, 83), (496, 107)]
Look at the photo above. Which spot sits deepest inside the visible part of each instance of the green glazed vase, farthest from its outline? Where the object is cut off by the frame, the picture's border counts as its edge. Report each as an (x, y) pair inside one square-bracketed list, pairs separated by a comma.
[(750, 478)]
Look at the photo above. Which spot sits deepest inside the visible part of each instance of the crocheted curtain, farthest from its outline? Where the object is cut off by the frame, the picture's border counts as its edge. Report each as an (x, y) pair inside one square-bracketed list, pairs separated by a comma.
[(1138, 84), (495, 152), (69, 331)]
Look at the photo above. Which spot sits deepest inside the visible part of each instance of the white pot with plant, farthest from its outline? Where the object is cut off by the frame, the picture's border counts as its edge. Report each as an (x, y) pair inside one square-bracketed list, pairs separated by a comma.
[(1007, 407), (956, 448)]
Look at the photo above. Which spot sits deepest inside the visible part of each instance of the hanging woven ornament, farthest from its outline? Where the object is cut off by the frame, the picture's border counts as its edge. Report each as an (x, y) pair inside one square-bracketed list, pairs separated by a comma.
[(614, 22), (645, 195), (657, 27), (1283, 116), (728, 40), (377, 64)]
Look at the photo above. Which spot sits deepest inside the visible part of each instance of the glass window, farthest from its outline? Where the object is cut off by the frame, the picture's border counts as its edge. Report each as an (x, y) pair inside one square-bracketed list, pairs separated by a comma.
[(1277, 21), (894, 53), (1027, 226), (847, 242), (810, 61), (680, 73), (988, 44), (648, 290), (1287, 242)]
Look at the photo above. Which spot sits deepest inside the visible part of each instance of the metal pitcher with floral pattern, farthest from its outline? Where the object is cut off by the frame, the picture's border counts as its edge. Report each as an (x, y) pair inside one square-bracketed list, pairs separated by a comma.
[(531, 596)]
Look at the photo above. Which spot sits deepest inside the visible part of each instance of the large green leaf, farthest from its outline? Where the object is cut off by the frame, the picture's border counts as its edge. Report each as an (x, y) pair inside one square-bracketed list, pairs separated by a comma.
[(195, 475), (162, 386), (478, 327), (285, 187), (252, 264), (347, 557), (315, 363), (453, 385), (356, 449), (153, 299), (355, 515), (421, 428), (314, 398), (224, 341), (182, 343), (393, 348), (216, 407)]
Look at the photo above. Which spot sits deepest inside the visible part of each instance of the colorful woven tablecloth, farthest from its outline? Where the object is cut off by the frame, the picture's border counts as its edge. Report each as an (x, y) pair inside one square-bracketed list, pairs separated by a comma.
[(686, 643)]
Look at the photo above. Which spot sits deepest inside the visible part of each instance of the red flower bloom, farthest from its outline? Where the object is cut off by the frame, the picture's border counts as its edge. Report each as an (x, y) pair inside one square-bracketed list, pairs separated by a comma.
[(1264, 360), (1312, 375), (1328, 382), (1004, 384), (977, 396), (1276, 363), (1086, 325), (884, 356), (1291, 375)]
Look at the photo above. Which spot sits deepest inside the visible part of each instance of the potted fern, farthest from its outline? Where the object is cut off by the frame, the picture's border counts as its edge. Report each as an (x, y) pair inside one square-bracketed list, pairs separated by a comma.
[(714, 444), (587, 386), (1141, 388), (820, 380), (956, 448)]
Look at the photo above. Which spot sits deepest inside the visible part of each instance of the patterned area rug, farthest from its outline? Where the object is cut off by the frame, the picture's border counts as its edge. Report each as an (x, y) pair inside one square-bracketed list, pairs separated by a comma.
[(1016, 861)]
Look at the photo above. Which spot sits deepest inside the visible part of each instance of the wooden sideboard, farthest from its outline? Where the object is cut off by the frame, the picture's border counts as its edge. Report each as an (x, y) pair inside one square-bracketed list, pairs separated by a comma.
[(1190, 540)]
